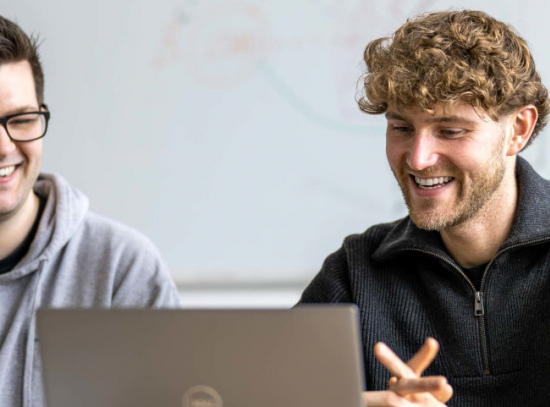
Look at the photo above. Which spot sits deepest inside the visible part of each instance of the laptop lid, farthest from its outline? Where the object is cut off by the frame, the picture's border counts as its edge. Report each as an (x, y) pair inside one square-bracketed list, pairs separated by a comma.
[(309, 356)]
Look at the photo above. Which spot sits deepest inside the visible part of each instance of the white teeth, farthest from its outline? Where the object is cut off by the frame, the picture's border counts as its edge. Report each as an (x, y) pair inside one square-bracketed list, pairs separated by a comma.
[(7, 171), (432, 183)]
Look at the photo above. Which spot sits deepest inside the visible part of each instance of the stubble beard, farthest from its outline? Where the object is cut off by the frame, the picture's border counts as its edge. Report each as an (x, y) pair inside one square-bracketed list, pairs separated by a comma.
[(468, 202)]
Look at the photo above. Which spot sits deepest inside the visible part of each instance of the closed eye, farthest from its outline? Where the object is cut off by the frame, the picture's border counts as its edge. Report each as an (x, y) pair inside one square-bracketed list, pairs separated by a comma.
[(401, 129), (451, 133), (22, 121)]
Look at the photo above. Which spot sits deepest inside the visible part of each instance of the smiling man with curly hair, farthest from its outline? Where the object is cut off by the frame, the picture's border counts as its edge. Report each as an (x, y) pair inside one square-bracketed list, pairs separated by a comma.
[(470, 265)]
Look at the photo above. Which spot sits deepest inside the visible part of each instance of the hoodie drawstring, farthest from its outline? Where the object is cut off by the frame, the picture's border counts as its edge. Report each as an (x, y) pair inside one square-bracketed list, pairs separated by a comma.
[(29, 351)]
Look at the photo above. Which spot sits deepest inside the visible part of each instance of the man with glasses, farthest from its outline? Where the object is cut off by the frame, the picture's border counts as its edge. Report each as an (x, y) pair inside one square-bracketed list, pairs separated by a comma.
[(53, 252)]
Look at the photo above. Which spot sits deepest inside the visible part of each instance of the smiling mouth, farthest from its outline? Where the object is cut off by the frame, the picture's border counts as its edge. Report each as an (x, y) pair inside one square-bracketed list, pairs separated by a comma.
[(6, 171), (432, 183)]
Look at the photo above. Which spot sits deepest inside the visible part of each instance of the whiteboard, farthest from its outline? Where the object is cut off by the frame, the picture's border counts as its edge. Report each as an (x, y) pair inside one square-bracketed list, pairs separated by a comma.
[(227, 131)]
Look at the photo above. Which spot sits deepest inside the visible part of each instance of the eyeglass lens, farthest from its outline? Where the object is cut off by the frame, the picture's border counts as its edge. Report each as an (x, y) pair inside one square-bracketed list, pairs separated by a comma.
[(26, 126)]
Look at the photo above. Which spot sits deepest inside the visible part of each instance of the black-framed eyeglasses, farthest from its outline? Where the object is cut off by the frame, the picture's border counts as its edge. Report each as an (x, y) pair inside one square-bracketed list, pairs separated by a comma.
[(27, 126)]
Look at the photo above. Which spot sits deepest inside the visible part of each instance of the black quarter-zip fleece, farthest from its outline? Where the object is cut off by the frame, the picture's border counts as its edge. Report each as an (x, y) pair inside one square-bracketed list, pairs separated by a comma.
[(495, 340)]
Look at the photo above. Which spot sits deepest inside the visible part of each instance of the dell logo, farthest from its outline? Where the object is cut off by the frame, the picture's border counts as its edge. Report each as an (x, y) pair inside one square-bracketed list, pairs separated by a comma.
[(202, 396)]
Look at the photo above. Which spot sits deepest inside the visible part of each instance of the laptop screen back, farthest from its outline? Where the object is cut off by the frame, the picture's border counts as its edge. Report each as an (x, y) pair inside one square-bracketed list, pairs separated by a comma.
[(308, 356)]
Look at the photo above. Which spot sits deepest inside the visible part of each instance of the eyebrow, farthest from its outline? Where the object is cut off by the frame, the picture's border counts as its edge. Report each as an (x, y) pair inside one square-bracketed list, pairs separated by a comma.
[(442, 119), (22, 109), (394, 116)]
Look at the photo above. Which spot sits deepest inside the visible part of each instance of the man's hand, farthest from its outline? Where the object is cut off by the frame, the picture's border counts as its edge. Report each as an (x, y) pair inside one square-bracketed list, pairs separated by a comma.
[(407, 388)]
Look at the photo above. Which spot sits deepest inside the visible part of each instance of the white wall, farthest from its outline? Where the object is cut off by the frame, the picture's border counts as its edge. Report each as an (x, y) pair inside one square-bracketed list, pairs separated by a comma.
[(227, 131)]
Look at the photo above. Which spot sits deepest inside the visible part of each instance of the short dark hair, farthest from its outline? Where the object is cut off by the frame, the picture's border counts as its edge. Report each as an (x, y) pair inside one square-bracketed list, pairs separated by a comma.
[(455, 56), (16, 46)]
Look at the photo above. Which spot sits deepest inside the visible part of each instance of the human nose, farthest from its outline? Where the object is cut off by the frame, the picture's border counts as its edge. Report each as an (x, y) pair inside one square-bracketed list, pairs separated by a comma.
[(423, 153), (7, 146)]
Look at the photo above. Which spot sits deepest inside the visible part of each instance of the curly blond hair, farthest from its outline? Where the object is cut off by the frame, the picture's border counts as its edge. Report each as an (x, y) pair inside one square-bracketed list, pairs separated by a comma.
[(455, 56)]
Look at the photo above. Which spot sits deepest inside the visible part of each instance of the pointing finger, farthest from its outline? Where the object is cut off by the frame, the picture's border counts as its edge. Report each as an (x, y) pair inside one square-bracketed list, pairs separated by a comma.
[(424, 357), (392, 362)]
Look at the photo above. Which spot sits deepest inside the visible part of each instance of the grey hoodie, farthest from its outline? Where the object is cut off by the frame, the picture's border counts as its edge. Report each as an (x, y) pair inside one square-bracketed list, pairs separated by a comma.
[(77, 259)]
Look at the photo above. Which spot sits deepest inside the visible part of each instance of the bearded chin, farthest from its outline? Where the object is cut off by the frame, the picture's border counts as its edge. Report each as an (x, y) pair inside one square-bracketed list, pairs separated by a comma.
[(433, 221), (430, 219), (468, 202)]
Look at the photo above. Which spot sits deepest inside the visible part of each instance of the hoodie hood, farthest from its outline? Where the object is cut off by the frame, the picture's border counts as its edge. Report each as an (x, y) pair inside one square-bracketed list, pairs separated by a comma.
[(65, 210)]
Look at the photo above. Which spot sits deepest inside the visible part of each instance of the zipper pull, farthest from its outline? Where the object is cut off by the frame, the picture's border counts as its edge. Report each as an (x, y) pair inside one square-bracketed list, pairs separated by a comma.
[(478, 304)]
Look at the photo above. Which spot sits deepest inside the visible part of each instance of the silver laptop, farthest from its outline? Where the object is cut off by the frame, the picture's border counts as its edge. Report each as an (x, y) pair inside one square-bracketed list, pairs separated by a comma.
[(306, 357)]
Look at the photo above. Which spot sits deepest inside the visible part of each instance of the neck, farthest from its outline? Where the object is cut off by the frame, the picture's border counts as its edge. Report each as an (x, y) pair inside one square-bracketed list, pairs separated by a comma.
[(14, 230), (478, 240)]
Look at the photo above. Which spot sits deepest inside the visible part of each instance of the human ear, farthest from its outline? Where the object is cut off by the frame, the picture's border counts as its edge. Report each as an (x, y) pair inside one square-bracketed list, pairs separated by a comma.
[(523, 123)]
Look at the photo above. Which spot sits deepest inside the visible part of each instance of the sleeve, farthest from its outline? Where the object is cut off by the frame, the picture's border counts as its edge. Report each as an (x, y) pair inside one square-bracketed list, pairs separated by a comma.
[(131, 269), (106, 264), (145, 282), (331, 284)]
